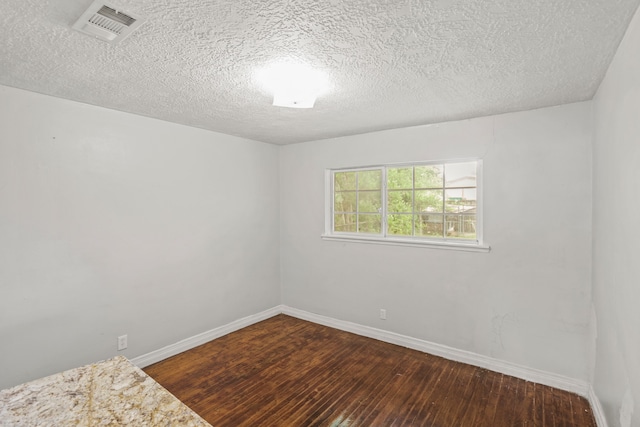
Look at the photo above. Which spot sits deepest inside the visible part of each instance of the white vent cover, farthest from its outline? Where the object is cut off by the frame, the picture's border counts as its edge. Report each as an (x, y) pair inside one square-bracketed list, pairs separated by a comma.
[(106, 22)]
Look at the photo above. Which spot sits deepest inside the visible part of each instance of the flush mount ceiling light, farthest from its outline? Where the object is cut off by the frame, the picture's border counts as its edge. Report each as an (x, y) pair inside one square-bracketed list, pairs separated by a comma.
[(293, 85)]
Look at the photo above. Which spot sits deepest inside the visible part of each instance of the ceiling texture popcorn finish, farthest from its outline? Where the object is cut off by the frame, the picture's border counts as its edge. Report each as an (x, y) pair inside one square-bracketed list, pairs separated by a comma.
[(390, 63)]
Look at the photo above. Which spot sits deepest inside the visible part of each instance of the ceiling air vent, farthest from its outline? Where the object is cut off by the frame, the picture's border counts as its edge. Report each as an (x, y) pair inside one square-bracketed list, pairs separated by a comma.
[(106, 22)]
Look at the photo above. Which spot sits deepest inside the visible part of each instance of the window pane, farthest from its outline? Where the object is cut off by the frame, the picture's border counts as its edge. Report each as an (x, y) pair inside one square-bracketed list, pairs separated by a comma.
[(344, 201), (369, 201), (429, 225), (461, 226), (400, 225), (460, 174), (428, 201), (369, 223), (461, 200), (370, 180), (429, 176), (400, 201), (344, 181), (400, 178), (344, 222)]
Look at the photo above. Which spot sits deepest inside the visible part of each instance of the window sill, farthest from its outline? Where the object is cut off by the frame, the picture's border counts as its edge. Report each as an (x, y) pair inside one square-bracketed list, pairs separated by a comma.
[(446, 245)]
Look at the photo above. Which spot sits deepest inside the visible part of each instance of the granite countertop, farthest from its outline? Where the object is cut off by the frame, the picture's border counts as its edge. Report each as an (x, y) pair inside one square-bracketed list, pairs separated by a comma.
[(109, 393)]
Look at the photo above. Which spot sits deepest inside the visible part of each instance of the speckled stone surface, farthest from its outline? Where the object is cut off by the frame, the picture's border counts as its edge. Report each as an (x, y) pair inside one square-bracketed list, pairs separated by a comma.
[(109, 393)]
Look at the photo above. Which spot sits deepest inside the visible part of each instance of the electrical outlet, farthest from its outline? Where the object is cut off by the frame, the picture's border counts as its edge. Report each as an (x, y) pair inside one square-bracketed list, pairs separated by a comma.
[(383, 314), (122, 342)]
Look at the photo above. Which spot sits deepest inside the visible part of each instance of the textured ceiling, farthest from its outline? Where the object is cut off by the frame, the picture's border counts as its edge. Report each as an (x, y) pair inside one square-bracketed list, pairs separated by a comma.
[(391, 63)]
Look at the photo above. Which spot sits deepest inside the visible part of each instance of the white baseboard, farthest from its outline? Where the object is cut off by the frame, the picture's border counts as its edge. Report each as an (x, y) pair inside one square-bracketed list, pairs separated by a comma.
[(529, 374), (596, 408), (204, 337)]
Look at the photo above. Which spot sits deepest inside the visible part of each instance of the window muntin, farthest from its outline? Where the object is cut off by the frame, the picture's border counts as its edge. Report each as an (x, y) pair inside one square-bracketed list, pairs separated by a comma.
[(357, 201), (434, 202)]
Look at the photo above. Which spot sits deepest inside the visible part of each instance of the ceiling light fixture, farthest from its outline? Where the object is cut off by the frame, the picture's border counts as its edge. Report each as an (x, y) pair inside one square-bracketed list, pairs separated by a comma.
[(293, 85)]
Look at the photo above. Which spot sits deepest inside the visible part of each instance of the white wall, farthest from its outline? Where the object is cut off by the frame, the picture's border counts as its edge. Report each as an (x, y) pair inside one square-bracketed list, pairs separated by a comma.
[(112, 224), (616, 243), (527, 301)]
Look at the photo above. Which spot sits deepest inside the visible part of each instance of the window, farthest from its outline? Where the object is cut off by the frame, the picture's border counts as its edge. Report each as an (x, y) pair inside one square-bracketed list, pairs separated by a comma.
[(417, 204)]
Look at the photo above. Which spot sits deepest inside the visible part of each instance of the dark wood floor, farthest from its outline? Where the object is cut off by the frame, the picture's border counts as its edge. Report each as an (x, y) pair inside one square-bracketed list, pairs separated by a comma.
[(288, 372)]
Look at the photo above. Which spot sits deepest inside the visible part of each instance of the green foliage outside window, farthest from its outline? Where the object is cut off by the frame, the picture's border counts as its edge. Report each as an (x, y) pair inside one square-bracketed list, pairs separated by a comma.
[(419, 201), (358, 201)]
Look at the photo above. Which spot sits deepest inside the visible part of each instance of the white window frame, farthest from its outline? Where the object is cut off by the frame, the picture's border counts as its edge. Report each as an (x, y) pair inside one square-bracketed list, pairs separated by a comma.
[(477, 245)]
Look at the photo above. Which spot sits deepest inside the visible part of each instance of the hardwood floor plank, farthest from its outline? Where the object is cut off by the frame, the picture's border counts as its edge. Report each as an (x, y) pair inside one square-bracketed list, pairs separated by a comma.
[(289, 372), (431, 374), (581, 410), (484, 400), (467, 398)]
